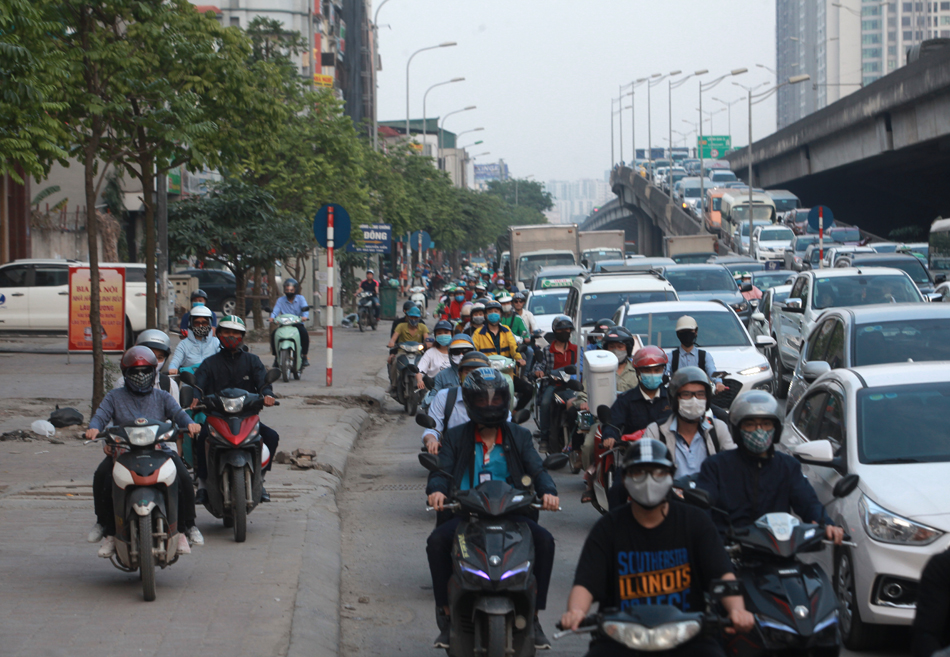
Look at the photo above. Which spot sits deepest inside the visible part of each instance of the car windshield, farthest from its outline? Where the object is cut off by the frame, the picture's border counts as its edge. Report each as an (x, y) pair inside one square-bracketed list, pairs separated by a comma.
[(720, 176), (691, 192), (692, 258), (605, 304), (547, 304), (751, 265), (700, 279), (744, 227), (803, 241), (903, 340), (837, 291), (884, 248), (530, 265), (766, 280), (785, 204), (912, 266), (717, 204), (716, 329), (596, 255), (741, 213), (846, 235), (776, 235), (885, 413)]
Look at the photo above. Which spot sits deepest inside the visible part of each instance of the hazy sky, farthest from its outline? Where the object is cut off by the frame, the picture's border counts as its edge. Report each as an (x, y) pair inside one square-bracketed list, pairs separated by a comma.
[(542, 72)]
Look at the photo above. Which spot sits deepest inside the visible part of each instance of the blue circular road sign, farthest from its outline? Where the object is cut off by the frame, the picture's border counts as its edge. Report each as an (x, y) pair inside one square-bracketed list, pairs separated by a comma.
[(341, 225), (827, 218)]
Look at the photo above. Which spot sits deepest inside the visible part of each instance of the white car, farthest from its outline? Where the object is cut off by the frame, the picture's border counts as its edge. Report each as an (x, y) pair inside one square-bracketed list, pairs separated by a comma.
[(873, 443), (769, 242), (547, 304), (738, 359), (832, 253)]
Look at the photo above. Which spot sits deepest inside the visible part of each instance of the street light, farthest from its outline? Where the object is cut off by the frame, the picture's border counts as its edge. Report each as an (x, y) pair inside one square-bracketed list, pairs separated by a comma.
[(708, 86), (860, 16), (633, 116), (766, 68), (679, 83), (474, 143), (465, 132), (709, 116), (481, 154), (657, 79), (375, 86), (425, 123), (442, 126), (447, 44)]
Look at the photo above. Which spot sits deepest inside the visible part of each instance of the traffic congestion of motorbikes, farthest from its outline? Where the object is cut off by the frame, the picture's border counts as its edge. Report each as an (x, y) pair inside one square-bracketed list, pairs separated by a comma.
[(717, 510)]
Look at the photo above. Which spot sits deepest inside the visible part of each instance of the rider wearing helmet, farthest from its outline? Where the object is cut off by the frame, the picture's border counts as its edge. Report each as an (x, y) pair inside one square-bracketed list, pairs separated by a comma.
[(232, 367), (755, 479), (292, 304), (414, 330), (401, 320), (371, 285), (487, 448), (460, 345), (518, 301), (688, 354), (199, 299), (198, 344), (648, 402), (747, 288), (436, 358), (509, 318), (160, 345), (654, 539), (138, 398), (494, 337), (453, 310), (477, 320), (560, 353)]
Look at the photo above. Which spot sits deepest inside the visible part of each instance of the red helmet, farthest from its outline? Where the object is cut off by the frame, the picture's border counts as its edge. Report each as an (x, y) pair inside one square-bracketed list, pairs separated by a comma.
[(138, 357), (649, 356)]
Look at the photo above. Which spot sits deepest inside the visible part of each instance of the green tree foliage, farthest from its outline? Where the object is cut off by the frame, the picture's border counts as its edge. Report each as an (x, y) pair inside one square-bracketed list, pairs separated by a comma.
[(518, 192)]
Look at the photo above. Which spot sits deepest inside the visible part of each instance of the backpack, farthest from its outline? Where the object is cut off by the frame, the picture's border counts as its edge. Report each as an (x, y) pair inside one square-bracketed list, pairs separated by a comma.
[(675, 363), (65, 417), (164, 382), (450, 398)]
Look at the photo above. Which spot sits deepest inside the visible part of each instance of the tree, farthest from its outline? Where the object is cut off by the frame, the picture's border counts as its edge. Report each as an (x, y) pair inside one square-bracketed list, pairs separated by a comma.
[(521, 192)]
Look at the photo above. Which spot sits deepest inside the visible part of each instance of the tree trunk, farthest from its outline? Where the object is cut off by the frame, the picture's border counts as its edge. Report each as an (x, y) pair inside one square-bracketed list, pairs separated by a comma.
[(148, 196), (256, 304), (240, 294), (92, 232), (272, 291)]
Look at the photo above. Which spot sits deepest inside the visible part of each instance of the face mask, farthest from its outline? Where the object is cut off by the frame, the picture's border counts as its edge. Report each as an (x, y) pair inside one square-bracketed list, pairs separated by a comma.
[(757, 441), (443, 340), (692, 409), (413, 321), (231, 343), (494, 318), (159, 367), (197, 304), (506, 307), (652, 382), (687, 338), (562, 336), (621, 353), (140, 380), (478, 320), (649, 493), (291, 295), (201, 332), (456, 358), (460, 297)]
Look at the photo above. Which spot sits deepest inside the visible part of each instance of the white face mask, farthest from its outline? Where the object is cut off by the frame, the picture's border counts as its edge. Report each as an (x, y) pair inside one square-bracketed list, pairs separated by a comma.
[(160, 364), (692, 409), (506, 307), (648, 493), (456, 358)]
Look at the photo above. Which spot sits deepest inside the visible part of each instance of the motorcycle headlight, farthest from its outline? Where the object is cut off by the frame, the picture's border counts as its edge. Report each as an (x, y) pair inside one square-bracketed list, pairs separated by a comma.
[(233, 404), (740, 307), (287, 321), (471, 570), (661, 637), (749, 371), (517, 570), (142, 436), (887, 527)]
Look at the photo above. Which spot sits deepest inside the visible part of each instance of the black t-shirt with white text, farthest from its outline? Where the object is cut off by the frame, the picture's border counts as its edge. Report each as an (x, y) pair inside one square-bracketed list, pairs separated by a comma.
[(624, 564)]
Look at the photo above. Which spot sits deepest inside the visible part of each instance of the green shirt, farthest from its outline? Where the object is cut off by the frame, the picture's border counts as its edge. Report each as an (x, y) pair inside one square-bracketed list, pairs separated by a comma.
[(516, 324)]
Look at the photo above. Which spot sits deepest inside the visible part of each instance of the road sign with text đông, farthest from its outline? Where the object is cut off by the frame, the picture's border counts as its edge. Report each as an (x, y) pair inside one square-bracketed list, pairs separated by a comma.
[(714, 146)]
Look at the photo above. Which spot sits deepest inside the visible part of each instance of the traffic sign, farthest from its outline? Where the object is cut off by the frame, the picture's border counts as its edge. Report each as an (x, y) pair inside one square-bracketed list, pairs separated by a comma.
[(714, 146), (426, 241), (341, 225), (827, 217), (377, 238)]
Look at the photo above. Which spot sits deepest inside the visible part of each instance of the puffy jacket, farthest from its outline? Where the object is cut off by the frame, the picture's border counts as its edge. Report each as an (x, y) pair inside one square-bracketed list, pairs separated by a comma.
[(485, 343), (663, 432), (633, 412), (191, 352), (747, 487), (232, 369), (458, 451)]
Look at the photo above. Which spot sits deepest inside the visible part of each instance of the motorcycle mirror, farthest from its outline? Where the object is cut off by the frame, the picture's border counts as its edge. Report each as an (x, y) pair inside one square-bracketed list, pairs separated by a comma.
[(425, 421), (305, 309), (574, 385), (429, 461), (725, 588), (696, 497), (271, 376), (187, 395), (603, 414), (412, 368), (189, 378), (555, 461), (522, 416), (846, 485), (570, 369)]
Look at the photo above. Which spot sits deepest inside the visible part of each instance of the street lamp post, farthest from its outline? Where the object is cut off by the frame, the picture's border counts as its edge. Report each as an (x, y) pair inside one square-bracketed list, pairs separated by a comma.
[(633, 118), (699, 141), (442, 126), (729, 106), (425, 123), (313, 70), (677, 85), (657, 79), (461, 169), (447, 44)]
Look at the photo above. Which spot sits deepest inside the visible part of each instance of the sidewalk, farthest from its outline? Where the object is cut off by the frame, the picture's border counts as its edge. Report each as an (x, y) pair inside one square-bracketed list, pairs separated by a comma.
[(276, 594)]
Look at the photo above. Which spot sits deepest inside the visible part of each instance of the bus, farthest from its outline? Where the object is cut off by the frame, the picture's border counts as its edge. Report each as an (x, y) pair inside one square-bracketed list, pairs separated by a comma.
[(939, 252)]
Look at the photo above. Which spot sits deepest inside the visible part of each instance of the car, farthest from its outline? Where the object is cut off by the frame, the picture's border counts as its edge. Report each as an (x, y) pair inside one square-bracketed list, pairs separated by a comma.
[(785, 202), (638, 264), (706, 283), (670, 177), (738, 359), (220, 285), (871, 335), (836, 251), (795, 253), (903, 261), (797, 220), (699, 258), (848, 431), (761, 321), (919, 249), (720, 176), (844, 235), (547, 304), (815, 291), (34, 296), (884, 247), (767, 279), (686, 193), (769, 242), (596, 296), (740, 237), (561, 276), (812, 257)]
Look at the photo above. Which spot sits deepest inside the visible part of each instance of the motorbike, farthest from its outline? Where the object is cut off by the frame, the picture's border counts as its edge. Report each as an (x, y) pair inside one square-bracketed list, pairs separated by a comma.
[(565, 388), (407, 360), (493, 589), (602, 472), (367, 310), (236, 454), (418, 296), (506, 366), (287, 339), (145, 498)]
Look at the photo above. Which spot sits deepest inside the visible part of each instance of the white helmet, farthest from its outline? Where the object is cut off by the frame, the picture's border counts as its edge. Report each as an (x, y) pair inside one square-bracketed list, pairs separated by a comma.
[(201, 311), (154, 339)]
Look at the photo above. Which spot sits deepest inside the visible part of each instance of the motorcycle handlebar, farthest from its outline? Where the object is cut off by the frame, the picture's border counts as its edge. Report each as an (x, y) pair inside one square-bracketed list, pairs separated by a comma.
[(455, 506)]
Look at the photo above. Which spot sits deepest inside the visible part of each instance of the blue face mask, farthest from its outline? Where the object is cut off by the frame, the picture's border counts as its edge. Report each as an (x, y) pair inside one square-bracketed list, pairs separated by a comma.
[(651, 381), (460, 297), (443, 340), (197, 303), (494, 318)]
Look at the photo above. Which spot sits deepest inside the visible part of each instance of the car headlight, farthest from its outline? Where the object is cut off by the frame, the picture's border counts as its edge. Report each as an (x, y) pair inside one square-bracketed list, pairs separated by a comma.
[(661, 637), (233, 404), (740, 307), (887, 527), (749, 371), (142, 436)]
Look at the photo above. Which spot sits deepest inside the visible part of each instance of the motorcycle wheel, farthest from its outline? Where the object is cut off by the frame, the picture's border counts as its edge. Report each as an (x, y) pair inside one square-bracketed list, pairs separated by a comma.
[(359, 321), (285, 364), (400, 391), (497, 636), (408, 395), (238, 504), (146, 557), (372, 320)]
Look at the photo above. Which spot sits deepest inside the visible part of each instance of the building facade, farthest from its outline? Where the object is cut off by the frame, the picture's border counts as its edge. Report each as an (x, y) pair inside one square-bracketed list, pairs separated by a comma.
[(575, 200)]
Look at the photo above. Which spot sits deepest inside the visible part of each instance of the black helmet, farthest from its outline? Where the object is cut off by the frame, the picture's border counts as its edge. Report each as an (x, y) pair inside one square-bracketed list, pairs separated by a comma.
[(406, 306), (601, 325), (753, 404), (289, 282), (562, 323), (518, 296), (648, 451), (492, 305), (486, 395), (199, 293), (618, 334), (443, 325), (474, 359), (685, 375)]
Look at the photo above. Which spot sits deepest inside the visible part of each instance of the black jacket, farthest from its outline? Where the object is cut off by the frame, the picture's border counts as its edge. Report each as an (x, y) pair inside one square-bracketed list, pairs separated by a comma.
[(232, 369), (932, 620), (747, 487), (457, 453), (632, 412)]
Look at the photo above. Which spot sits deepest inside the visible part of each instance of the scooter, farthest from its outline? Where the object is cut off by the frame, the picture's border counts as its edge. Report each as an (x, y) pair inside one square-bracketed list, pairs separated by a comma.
[(565, 388), (367, 310), (602, 472), (236, 454), (419, 297), (145, 498), (493, 590), (407, 359), (287, 339)]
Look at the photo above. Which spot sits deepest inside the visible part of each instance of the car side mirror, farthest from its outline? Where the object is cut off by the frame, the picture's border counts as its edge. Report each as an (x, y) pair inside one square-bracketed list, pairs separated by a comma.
[(816, 452), (794, 306), (934, 297), (603, 414), (272, 375), (815, 368), (429, 461), (555, 461), (425, 421), (758, 317), (764, 340), (940, 278), (845, 485)]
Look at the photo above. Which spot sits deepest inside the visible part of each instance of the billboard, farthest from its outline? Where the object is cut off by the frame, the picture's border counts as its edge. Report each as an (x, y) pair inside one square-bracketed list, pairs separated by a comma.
[(377, 238), (494, 171), (111, 309)]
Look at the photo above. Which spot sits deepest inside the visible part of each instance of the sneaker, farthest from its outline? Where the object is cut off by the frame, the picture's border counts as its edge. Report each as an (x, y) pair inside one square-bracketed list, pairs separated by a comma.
[(194, 536), (95, 535), (107, 547), (201, 496), (183, 547), (442, 641), (265, 496), (276, 362), (540, 641), (306, 362)]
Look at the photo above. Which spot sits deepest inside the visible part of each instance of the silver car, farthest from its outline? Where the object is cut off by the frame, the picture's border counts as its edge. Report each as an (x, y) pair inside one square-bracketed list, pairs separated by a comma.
[(873, 443)]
